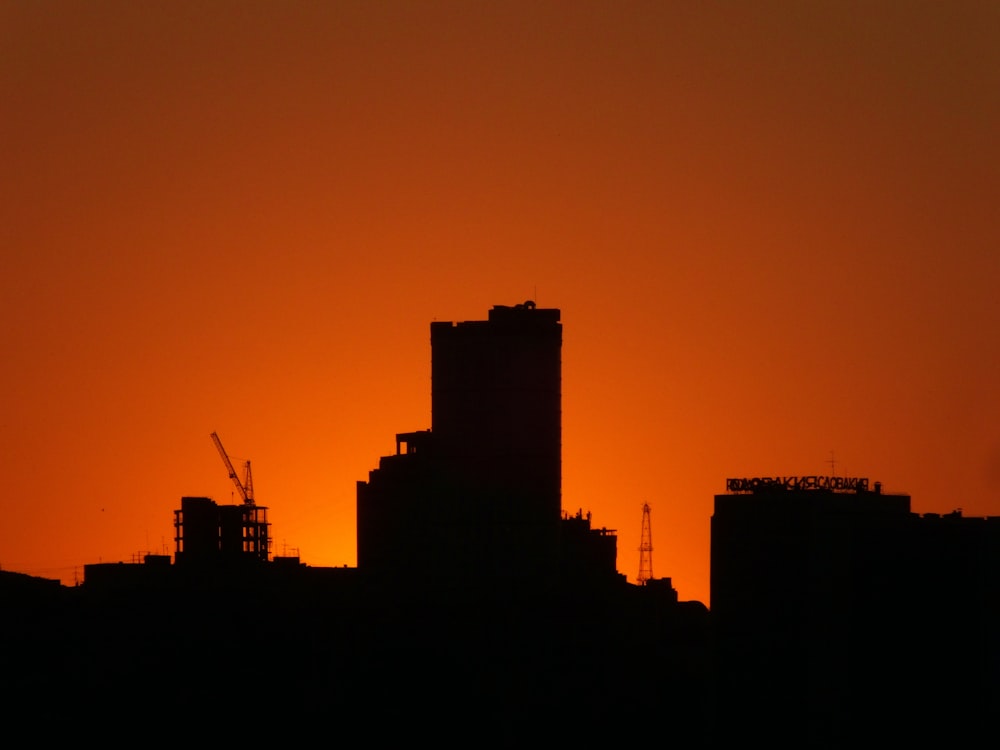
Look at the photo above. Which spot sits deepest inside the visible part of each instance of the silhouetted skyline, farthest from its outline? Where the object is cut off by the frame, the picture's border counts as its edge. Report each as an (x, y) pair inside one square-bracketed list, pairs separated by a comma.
[(830, 597), (770, 230)]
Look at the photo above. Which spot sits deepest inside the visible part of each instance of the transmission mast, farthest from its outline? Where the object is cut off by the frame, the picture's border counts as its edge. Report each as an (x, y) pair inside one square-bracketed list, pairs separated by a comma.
[(645, 548)]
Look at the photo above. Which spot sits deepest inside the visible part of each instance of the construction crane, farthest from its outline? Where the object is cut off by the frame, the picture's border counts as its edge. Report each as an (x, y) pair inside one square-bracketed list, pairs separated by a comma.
[(645, 548), (246, 486)]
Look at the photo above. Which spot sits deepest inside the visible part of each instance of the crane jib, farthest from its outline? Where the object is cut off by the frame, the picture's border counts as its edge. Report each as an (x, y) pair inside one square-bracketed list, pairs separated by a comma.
[(246, 487)]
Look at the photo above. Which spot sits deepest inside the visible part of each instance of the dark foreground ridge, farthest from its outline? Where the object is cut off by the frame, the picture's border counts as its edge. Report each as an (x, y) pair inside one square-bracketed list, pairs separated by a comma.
[(480, 612)]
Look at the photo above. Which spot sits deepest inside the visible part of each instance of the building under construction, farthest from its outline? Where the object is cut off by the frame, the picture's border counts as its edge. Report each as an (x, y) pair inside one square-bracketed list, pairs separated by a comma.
[(207, 533)]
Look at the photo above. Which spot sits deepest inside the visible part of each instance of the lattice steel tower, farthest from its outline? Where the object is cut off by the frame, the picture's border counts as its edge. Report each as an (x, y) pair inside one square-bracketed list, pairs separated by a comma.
[(645, 548)]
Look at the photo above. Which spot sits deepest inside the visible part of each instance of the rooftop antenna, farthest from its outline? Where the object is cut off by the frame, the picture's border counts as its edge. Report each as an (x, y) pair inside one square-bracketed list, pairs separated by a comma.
[(645, 548), (833, 464)]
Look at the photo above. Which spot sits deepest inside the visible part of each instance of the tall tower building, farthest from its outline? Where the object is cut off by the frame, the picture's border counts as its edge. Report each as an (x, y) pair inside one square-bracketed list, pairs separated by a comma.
[(496, 417), (479, 495)]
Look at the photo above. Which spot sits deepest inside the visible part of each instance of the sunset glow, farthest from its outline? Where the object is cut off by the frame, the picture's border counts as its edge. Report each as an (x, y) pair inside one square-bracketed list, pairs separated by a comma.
[(770, 229)]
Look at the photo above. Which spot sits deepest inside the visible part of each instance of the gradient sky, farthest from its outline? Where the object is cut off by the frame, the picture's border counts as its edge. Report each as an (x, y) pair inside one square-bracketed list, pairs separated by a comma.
[(771, 228)]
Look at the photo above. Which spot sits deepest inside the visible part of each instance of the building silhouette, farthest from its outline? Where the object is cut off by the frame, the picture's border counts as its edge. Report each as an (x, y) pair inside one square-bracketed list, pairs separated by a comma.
[(477, 498), (835, 605), (207, 533)]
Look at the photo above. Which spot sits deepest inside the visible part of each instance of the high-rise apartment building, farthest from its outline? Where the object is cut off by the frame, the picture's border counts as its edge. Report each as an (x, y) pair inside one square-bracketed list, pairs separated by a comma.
[(479, 495)]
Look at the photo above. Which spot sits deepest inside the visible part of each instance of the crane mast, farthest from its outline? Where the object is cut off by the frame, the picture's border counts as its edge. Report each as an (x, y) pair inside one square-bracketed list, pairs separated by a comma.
[(645, 548), (248, 484), (245, 490)]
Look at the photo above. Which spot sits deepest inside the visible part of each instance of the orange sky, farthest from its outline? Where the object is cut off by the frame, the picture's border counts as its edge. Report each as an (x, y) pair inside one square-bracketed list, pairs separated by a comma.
[(770, 227)]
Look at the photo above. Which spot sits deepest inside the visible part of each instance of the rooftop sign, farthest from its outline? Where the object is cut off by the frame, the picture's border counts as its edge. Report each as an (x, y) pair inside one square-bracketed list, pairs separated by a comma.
[(842, 484)]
